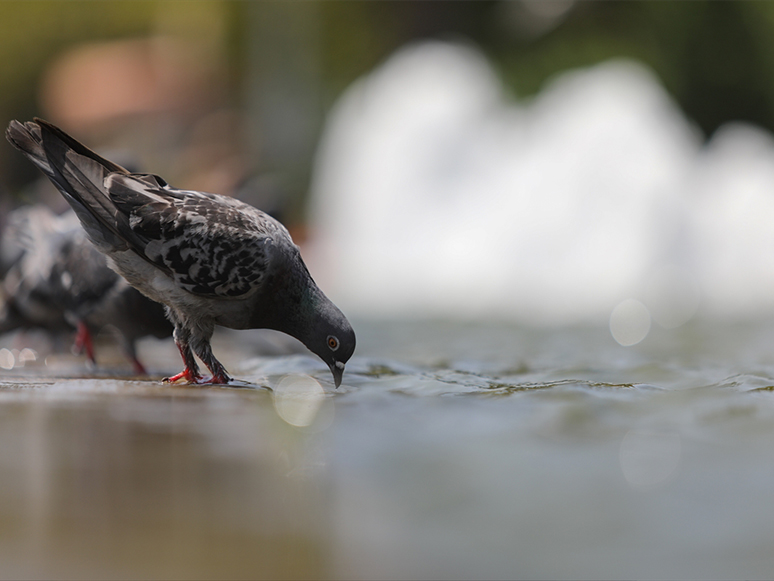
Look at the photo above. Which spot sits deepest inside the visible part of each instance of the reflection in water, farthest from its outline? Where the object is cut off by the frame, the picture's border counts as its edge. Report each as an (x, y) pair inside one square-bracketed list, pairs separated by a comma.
[(154, 482)]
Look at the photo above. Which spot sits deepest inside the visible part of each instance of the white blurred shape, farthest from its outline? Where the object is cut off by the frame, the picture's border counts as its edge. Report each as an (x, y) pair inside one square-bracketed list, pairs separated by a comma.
[(435, 195), (629, 322), (297, 399), (673, 296), (7, 360), (27, 354), (733, 220), (649, 458)]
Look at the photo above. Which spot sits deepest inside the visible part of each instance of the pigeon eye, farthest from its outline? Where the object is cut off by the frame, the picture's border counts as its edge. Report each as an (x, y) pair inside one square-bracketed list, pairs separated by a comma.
[(333, 342)]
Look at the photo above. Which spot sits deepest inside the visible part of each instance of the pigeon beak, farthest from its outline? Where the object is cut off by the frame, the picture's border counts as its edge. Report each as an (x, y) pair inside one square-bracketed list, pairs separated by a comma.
[(337, 368)]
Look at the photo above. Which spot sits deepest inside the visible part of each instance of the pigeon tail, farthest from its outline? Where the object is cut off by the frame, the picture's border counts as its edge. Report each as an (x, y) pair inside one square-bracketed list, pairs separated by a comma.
[(77, 172)]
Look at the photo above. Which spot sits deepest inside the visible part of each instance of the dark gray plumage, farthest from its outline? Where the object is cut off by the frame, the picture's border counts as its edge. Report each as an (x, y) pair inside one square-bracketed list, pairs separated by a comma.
[(212, 260), (56, 280)]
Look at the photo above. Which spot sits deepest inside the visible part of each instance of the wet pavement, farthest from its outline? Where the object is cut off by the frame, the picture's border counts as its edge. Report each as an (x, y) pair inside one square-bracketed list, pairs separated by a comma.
[(452, 450)]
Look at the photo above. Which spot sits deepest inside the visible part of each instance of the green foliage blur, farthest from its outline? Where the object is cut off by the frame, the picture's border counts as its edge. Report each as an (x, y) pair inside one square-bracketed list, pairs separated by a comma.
[(715, 57)]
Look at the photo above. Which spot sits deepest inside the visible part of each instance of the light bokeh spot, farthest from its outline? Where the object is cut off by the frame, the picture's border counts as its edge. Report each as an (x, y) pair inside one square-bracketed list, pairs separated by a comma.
[(297, 399), (7, 360), (26, 355), (630, 322)]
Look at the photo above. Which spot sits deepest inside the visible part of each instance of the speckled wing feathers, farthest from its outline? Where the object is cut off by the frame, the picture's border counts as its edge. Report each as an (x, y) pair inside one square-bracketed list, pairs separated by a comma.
[(210, 245)]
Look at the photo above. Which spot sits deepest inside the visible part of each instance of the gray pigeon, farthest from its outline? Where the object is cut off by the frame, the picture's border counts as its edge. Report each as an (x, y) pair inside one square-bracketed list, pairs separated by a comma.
[(56, 280), (212, 260), (93, 297), (28, 249)]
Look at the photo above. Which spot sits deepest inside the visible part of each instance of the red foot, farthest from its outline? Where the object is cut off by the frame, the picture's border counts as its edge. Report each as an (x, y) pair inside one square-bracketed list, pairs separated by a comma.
[(198, 379), (186, 374), (218, 380), (214, 380)]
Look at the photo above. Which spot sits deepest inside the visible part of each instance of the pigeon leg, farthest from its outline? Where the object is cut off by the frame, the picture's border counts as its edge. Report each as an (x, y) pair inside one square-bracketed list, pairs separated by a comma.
[(191, 371), (204, 351), (138, 367), (83, 341), (131, 354)]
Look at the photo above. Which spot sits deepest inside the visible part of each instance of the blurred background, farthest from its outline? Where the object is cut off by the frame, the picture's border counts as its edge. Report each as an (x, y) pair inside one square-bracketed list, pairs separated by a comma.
[(547, 161)]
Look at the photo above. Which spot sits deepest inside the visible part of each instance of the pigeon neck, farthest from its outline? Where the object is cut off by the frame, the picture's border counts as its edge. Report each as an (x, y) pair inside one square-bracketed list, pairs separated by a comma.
[(289, 303)]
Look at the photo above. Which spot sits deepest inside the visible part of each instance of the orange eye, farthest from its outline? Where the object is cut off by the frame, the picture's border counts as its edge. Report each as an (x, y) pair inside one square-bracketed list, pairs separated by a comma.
[(333, 343)]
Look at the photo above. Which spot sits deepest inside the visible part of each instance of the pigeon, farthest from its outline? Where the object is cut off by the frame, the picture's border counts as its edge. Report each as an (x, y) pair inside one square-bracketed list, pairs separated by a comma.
[(211, 259), (94, 297), (56, 280), (27, 255)]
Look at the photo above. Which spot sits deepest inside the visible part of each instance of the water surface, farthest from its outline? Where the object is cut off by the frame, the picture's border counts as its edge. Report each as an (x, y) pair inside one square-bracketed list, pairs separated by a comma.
[(452, 450)]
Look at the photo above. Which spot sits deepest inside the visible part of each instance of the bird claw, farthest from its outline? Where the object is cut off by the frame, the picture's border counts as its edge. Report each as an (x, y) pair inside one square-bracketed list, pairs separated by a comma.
[(195, 379), (214, 380), (186, 374)]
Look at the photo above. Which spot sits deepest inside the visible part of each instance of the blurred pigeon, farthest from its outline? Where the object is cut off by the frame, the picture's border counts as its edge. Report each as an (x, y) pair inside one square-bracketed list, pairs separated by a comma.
[(211, 259), (94, 297), (28, 250), (56, 280)]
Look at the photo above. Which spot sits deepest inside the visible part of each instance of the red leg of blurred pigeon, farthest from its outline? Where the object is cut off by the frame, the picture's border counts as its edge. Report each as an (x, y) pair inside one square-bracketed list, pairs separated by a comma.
[(83, 341), (139, 368), (131, 354)]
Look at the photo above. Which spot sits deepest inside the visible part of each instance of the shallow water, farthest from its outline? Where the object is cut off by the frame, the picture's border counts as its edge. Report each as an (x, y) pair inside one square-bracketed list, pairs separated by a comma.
[(451, 450)]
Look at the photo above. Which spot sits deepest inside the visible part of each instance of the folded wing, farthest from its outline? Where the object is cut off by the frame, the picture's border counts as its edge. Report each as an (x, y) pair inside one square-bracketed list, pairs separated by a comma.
[(210, 245)]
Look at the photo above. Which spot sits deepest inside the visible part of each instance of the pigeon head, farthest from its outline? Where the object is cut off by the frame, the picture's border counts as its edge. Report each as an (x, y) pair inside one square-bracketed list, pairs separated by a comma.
[(331, 338)]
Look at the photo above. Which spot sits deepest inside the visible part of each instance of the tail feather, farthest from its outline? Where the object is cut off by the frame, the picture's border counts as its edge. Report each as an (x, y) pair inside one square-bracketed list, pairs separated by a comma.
[(78, 173), (26, 138), (76, 146)]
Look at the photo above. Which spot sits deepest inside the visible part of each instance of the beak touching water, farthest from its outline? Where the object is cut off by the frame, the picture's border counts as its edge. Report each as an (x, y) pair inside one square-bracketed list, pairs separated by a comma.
[(337, 368)]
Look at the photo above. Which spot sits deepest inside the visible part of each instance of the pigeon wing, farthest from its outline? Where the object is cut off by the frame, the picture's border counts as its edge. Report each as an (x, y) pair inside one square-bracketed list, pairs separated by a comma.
[(209, 245)]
